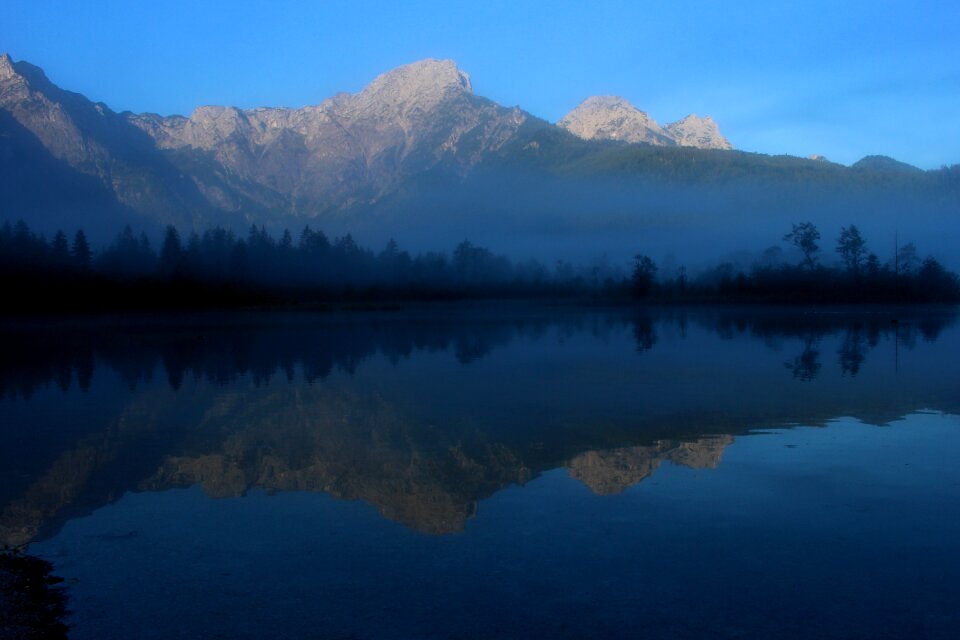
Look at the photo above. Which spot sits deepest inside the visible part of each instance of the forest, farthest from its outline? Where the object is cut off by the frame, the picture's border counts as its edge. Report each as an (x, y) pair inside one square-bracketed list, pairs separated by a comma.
[(217, 268)]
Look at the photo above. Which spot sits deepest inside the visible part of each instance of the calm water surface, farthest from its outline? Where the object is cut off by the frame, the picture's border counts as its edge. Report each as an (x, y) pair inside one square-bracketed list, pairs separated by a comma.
[(482, 472)]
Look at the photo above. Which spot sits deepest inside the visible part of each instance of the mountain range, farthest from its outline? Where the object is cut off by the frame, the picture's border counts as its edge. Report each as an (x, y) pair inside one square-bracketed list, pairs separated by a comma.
[(223, 164), (418, 155)]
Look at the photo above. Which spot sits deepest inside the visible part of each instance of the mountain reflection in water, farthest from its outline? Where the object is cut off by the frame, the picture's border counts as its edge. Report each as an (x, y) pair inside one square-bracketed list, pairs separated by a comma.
[(426, 414)]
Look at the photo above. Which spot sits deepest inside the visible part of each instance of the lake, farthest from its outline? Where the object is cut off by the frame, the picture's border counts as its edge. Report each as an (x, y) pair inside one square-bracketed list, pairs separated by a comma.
[(491, 471)]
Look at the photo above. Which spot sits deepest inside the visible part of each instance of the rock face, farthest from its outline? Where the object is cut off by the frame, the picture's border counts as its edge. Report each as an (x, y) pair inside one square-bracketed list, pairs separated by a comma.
[(613, 118), (349, 148), (234, 166), (57, 140), (694, 131), (46, 118), (223, 161)]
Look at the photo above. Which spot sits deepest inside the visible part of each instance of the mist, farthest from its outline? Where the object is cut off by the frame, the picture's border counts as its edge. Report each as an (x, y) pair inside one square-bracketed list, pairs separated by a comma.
[(550, 216)]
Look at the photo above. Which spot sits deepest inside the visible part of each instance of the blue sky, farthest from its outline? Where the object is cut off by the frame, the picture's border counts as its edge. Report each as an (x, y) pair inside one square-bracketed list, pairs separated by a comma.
[(841, 79)]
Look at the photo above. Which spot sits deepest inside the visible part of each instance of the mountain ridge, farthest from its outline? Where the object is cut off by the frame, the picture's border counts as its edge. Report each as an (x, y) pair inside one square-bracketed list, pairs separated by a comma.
[(615, 118), (355, 147), (417, 155), (694, 131)]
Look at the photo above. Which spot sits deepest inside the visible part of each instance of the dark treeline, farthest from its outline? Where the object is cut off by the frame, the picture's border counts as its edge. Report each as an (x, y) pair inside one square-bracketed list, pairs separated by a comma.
[(219, 269), (857, 277)]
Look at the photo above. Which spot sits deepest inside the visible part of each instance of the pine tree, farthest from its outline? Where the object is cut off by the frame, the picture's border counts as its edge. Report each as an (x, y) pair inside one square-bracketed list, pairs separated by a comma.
[(80, 252), (171, 253), (60, 249)]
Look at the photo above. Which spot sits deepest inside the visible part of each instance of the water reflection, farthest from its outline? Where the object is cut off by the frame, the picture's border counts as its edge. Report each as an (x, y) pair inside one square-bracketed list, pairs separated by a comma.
[(609, 472), (425, 414), (853, 350), (806, 366), (222, 349)]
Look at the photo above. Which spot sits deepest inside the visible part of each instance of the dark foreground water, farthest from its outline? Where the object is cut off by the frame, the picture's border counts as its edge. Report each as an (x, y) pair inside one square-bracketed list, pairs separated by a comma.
[(483, 472)]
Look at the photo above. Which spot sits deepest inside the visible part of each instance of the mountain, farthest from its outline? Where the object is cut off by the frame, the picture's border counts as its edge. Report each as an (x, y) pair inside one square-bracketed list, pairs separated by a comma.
[(884, 164), (349, 149), (229, 166), (418, 156), (694, 131), (76, 158), (613, 118)]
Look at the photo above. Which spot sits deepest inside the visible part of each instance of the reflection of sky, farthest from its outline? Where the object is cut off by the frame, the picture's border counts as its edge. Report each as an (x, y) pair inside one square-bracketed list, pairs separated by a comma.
[(839, 79)]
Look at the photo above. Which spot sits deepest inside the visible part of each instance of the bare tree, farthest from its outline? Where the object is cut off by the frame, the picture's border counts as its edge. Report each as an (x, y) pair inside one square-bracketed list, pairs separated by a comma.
[(804, 236)]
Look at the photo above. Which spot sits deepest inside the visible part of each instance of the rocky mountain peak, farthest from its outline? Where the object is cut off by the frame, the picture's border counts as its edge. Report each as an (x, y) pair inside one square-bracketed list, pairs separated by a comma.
[(23, 79), (694, 131), (613, 118), (349, 149), (219, 120), (607, 102), (6, 67), (422, 84)]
